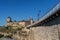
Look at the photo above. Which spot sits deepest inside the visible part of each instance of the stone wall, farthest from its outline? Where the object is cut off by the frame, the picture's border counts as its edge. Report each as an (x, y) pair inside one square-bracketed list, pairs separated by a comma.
[(45, 33)]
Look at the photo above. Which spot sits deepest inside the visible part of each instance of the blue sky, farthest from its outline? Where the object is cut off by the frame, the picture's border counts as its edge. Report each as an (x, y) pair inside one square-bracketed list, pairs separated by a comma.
[(23, 9)]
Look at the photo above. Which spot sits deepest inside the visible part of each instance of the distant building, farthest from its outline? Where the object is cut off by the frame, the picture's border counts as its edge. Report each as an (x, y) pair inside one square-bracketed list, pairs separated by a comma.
[(14, 24)]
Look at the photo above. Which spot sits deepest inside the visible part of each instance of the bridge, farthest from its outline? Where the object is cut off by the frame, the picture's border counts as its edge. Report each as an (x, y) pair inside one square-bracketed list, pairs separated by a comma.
[(48, 27)]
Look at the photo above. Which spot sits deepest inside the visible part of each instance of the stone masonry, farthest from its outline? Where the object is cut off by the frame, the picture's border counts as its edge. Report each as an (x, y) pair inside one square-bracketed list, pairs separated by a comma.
[(45, 33)]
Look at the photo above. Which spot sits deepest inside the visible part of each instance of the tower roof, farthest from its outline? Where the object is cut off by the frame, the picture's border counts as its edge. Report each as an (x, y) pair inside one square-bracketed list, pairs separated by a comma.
[(9, 17), (14, 20), (31, 18)]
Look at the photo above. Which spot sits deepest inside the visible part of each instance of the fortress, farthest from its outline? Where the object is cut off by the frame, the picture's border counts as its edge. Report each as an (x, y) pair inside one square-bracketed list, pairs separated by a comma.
[(14, 24)]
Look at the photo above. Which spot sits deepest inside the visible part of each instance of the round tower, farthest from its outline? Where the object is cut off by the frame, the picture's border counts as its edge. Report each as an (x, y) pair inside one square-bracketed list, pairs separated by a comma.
[(9, 22), (31, 20), (9, 19), (15, 22)]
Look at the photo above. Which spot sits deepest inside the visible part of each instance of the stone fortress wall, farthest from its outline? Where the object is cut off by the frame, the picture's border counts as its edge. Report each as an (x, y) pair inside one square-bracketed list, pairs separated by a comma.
[(47, 31)]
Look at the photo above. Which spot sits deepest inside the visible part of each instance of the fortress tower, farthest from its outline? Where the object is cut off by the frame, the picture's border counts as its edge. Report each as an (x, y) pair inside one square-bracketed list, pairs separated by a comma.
[(9, 21), (31, 20)]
